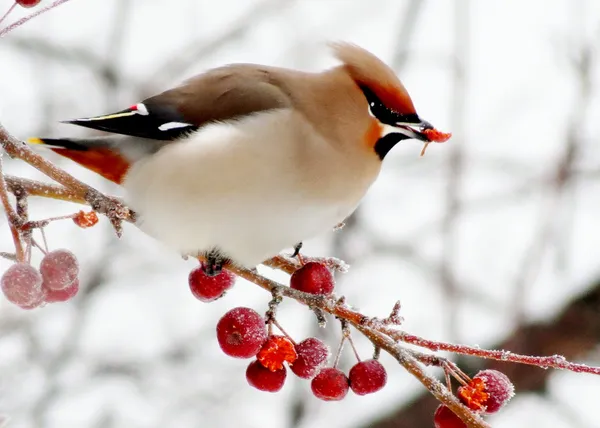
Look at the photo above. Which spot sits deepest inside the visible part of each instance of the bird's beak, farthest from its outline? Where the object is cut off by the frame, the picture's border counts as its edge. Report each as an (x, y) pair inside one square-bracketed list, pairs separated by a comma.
[(415, 130), (423, 131)]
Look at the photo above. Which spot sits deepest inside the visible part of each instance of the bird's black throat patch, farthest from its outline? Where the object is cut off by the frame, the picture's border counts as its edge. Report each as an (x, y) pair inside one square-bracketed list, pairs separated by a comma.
[(387, 143)]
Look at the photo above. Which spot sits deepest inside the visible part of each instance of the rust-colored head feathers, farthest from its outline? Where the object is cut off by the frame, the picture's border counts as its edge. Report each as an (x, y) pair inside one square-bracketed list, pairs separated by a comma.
[(368, 70)]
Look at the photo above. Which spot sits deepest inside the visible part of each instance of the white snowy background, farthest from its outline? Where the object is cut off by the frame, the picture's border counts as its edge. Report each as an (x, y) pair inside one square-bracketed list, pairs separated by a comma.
[(475, 238)]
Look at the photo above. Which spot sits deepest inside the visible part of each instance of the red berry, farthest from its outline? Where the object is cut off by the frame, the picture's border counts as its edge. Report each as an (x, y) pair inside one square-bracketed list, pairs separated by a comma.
[(264, 379), (241, 332), (312, 355), (22, 285), (330, 384), (208, 288), (445, 418), (367, 377), (27, 3), (63, 295), (59, 269), (313, 278), (498, 387)]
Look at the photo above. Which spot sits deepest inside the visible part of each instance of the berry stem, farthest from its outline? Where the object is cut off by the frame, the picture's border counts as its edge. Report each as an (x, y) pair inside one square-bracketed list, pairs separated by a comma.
[(348, 336), (10, 9), (339, 352), (281, 329), (44, 240), (376, 353)]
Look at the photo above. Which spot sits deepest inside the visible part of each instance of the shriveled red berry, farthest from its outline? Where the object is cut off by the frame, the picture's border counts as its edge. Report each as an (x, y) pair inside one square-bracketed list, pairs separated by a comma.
[(313, 278), (436, 136), (241, 332), (275, 351), (22, 285), (367, 377), (208, 288), (474, 394), (264, 379), (445, 418), (28, 3), (85, 220), (59, 268), (498, 387), (53, 296), (312, 355), (330, 384)]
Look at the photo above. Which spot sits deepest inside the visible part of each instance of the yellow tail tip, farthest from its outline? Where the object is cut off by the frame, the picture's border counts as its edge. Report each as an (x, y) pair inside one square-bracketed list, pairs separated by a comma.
[(35, 140)]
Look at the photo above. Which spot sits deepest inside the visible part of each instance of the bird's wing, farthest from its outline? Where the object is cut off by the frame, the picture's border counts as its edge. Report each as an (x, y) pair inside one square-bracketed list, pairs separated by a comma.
[(221, 94)]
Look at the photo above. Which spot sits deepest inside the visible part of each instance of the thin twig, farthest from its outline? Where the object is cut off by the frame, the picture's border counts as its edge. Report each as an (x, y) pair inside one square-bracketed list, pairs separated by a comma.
[(553, 361), (12, 216), (23, 20)]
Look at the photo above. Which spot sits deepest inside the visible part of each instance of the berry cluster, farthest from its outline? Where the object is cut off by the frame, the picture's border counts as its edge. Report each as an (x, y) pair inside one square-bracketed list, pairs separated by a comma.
[(55, 281), (487, 392), (244, 333)]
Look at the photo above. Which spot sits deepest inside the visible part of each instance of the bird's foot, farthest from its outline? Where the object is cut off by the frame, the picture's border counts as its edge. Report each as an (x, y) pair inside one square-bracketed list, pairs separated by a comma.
[(214, 263), (297, 249)]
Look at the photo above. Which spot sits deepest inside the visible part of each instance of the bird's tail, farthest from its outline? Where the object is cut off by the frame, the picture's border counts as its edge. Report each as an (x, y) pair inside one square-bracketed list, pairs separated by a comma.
[(93, 154)]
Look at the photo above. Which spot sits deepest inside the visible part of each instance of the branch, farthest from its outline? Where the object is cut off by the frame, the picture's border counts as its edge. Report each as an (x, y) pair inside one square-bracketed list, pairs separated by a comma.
[(373, 331), (23, 20), (115, 210)]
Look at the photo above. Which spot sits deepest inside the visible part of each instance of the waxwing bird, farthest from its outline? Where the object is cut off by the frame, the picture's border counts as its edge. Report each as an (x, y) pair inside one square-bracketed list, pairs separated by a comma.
[(243, 161)]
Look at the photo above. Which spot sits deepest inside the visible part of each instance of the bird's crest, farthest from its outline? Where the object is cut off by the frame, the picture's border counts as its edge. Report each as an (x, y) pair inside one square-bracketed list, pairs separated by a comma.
[(369, 71)]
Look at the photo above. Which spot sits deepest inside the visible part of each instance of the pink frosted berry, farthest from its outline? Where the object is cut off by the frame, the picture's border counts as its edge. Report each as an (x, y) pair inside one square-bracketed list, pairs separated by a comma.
[(330, 384), (313, 278), (367, 377), (264, 379), (208, 288), (63, 295), (241, 332), (22, 285), (498, 387), (445, 418), (59, 268), (312, 355)]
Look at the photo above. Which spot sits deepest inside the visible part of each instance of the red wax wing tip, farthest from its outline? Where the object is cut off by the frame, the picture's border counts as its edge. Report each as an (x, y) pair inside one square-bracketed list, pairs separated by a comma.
[(436, 136)]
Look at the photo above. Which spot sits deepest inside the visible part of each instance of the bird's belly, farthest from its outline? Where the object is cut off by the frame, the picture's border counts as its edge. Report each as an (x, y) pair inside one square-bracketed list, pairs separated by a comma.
[(251, 200), (247, 232)]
